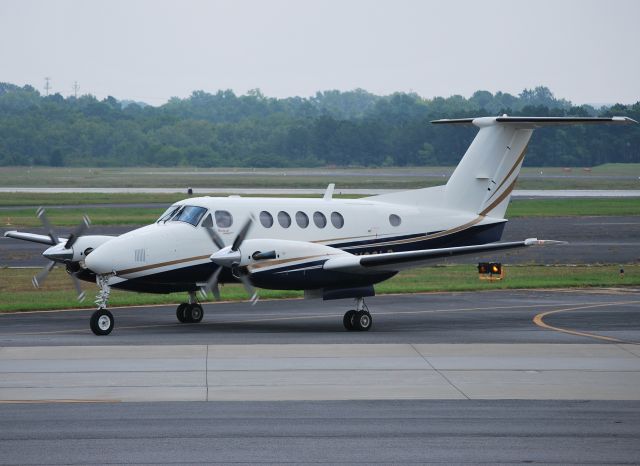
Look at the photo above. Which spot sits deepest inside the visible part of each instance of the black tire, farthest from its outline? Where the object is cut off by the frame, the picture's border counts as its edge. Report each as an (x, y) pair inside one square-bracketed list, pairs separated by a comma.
[(362, 321), (181, 313), (101, 322), (348, 319), (194, 313)]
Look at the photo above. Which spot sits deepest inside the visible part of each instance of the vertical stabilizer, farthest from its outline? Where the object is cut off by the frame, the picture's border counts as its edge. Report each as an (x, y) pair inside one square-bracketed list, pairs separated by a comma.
[(484, 179)]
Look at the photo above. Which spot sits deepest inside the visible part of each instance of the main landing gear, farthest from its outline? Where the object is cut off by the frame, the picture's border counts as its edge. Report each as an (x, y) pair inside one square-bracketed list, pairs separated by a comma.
[(358, 318), (191, 312)]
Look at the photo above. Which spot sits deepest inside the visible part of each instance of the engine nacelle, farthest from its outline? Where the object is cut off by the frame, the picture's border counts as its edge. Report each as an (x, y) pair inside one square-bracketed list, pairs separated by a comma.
[(79, 251)]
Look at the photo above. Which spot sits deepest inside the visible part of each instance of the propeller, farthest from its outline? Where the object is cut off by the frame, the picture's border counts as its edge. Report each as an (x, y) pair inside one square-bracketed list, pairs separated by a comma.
[(60, 253), (230, 257)]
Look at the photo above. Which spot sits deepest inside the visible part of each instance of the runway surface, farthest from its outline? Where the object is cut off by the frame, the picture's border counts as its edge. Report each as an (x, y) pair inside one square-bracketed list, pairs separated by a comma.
[(592, 240), (369, 432)]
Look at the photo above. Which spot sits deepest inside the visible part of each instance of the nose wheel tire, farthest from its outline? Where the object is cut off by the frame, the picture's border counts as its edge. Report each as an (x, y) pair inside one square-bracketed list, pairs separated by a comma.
[(101, 322)]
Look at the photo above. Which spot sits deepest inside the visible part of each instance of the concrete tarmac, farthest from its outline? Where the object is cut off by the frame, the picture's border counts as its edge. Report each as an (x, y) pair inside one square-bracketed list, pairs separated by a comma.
[(347, 432)]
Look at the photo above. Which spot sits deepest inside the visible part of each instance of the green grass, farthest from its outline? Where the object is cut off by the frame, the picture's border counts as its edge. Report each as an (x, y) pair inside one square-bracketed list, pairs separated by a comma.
[(573, 207), (135, 216), (17, 294)]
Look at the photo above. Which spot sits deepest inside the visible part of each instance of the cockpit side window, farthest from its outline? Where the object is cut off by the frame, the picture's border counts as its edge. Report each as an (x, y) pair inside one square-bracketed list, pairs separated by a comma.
[(207, 222), (168, 213), (189, 214)]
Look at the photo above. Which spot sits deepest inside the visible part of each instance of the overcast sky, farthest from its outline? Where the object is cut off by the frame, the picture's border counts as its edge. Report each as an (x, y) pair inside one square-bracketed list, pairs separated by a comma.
[(585, 50)]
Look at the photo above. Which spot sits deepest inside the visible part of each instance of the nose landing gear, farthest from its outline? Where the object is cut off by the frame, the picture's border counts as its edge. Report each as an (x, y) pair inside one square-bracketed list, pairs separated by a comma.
[(359, 318), (191, 312), (102, 321)]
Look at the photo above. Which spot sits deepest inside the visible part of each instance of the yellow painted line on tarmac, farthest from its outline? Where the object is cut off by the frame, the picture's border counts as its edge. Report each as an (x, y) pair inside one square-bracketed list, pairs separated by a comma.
[(539, 321)]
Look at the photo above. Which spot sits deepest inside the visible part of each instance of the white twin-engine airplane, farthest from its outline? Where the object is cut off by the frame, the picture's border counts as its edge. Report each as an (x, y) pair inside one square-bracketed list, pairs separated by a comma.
[(330, 248)]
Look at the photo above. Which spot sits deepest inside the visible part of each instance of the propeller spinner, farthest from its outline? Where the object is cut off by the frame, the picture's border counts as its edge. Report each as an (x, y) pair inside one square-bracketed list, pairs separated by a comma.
[(60, 252), (229, 257)]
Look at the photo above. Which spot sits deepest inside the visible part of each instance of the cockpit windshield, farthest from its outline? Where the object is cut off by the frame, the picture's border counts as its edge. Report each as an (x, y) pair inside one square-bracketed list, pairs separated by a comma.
[(168, 213), (185, 213)]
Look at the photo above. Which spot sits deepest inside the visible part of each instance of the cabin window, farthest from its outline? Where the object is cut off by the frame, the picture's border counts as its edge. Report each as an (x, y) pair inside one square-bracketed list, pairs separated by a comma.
[(395, 220), (337, 220), (266, 219), (284, 219), (223, 219), (207, 222), (302, 219), (189, 214), (319, 219)]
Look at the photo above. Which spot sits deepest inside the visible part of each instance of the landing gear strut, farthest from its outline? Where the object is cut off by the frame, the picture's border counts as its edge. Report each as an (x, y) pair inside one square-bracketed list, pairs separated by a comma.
[(190, 312), (102, 320), (358, 318)]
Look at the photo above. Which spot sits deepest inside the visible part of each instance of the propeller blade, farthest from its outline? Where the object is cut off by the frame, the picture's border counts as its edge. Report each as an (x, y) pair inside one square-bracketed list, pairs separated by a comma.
[(42, 276), (242, 235), (212, 283), (42, 215), (251, 291), (77, 233), (76, 283), (215, 237)]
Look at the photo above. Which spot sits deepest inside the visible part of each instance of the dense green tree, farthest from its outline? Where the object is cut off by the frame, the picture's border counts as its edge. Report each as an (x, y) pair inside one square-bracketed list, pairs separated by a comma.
[(354, 128)]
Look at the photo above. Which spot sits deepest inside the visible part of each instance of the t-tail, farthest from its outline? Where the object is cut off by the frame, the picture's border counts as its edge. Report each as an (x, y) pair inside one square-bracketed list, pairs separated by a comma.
[(484, 179)]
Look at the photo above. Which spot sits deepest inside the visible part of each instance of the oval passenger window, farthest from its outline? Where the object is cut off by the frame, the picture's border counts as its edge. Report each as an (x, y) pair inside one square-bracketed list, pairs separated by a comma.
[(319, 219), (266, 219), (284, 219), (223, 219), (302, 219), (394, 220), (337, 220)]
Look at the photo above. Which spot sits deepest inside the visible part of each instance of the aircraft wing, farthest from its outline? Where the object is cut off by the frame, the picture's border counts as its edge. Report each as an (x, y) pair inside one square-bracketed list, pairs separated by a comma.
[(396, 261), (42, 239)]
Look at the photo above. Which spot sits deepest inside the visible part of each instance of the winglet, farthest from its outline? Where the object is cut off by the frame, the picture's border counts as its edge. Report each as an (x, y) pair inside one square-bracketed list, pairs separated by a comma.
[(328, 194)]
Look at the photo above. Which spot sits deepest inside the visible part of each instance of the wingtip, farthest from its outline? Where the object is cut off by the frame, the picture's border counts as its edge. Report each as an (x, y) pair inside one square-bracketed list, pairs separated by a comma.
[(542, 242)]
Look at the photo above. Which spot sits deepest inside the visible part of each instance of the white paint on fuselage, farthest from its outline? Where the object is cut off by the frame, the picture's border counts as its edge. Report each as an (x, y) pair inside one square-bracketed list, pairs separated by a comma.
[(167, 242)]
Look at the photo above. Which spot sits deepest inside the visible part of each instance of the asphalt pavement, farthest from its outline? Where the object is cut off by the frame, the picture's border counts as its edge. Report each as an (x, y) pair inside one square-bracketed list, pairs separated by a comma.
[(347, 432), (465, 317)]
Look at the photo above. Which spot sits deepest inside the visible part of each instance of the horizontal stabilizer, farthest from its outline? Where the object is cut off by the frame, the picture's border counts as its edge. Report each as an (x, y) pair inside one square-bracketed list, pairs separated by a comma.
[(534, 122)]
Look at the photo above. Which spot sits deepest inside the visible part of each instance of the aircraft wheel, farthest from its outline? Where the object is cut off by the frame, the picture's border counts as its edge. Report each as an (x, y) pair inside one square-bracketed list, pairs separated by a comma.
[(101, 322), (348, 320), (181, 313), (194, 313), (362, 321)]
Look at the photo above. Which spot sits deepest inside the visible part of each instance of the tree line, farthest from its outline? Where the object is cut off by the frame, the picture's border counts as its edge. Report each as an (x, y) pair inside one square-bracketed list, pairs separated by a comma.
[(332, 128)]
